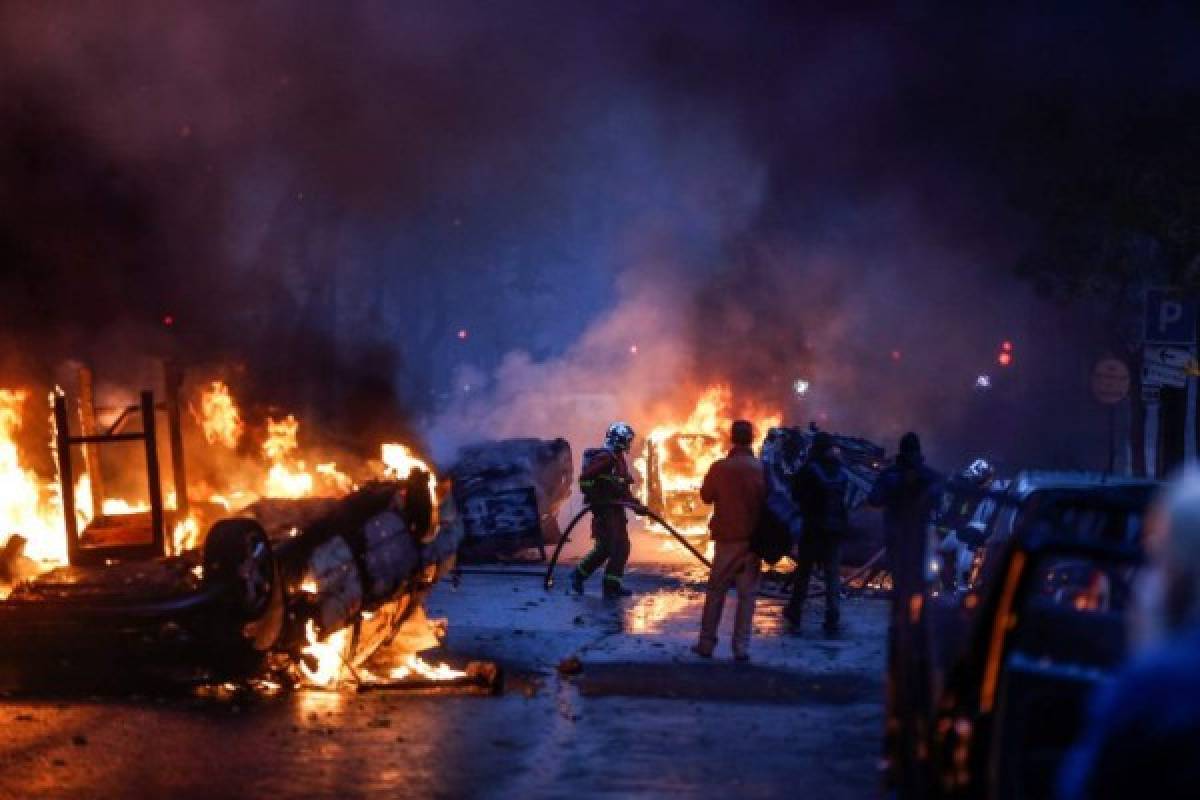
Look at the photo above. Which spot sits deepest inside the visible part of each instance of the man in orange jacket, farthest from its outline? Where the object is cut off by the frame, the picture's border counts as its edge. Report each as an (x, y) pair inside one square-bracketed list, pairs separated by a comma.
[(736, 486)]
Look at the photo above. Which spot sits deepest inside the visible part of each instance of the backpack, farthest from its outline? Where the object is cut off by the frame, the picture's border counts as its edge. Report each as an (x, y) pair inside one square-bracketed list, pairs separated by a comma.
[(771, 538), (602, 488)]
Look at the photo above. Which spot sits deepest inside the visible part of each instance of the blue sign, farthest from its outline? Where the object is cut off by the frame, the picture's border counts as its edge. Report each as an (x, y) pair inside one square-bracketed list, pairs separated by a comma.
[(1170, 319)]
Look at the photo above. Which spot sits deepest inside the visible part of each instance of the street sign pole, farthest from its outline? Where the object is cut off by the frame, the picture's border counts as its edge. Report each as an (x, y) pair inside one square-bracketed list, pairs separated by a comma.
[(1112, 439), (1168, 369)]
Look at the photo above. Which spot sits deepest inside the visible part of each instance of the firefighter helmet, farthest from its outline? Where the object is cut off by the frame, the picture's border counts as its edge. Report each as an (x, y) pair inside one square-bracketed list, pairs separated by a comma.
[(619, 437), (980, 472)]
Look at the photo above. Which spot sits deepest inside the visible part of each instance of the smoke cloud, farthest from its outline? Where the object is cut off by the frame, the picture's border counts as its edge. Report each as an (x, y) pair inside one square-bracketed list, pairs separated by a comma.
[(450, 221)]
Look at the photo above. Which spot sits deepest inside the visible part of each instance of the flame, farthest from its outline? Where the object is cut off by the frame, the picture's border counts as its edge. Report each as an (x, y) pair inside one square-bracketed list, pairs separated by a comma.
[(687, 447), (415, 666), (399, 461), (219, 416), (327, 654), (286, 476), (338, 481), (185, 536), (281, 437), (32, 506), (28, 506)]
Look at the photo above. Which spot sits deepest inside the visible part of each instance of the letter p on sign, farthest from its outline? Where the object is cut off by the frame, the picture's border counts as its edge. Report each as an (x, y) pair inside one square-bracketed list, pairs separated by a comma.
[(1170, 319)]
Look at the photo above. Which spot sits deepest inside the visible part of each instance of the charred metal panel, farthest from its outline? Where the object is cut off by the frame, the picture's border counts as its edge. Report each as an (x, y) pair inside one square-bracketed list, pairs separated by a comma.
[(339, 584), (391, 555), (509, 492)]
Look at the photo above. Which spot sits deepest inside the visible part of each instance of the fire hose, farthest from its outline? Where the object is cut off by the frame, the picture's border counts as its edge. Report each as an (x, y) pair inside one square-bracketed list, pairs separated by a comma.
[(861, 574), (641, 510)]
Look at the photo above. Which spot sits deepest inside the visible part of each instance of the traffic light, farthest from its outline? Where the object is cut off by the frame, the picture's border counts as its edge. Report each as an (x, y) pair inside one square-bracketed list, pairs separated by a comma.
[(1005, 357)]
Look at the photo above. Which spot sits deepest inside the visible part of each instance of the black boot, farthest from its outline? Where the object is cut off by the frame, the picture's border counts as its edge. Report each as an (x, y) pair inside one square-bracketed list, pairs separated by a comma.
[(613, 588), (577, 580)]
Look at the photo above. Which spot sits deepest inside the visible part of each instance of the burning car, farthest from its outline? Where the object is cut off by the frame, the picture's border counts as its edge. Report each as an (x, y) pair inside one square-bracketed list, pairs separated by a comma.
[(304, 584), (676, 456)]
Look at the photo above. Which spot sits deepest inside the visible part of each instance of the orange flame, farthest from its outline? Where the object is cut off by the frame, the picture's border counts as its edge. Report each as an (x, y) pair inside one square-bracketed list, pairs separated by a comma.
[(27, 505), (286, 476), (327, 656), (219, 416), (399, 461), (687, 447)]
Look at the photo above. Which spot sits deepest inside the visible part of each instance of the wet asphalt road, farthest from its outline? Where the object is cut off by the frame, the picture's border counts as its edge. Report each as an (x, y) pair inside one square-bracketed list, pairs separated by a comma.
[(644, 717)]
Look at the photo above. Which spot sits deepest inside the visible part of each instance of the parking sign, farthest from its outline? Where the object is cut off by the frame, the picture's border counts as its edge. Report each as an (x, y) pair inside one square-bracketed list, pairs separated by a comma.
[(1170, 319)]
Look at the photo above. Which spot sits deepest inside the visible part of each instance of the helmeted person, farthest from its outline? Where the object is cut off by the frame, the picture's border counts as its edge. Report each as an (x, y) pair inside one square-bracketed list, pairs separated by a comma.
[(819, 491), (737, 488), (960, 511), (606, 483)]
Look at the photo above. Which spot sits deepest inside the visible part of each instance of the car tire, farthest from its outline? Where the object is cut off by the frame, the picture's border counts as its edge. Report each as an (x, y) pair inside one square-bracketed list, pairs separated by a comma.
[(240, 565)]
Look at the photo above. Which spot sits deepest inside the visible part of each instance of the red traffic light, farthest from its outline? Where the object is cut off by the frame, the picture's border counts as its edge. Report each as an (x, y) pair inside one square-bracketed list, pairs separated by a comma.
[(1005, 357)]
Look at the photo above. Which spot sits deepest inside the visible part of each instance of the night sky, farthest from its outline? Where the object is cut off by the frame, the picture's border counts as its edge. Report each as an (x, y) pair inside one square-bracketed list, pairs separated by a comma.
[(321, 196)]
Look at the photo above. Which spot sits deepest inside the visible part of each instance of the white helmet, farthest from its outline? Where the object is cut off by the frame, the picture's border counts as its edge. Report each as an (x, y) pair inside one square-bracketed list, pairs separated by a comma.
[(619, 436)]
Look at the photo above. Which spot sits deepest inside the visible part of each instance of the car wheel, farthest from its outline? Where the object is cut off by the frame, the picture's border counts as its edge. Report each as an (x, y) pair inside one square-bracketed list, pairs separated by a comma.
[(238, 559)]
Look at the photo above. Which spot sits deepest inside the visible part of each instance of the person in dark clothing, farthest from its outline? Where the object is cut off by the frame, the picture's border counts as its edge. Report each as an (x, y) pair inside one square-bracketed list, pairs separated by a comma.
[(605, 479), (908, 492), (1143, 732), (819, 490)]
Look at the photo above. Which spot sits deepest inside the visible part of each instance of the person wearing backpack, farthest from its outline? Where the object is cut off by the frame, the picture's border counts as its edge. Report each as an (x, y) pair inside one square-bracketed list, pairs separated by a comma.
[(605, 480), (736, 486), (819, 491)]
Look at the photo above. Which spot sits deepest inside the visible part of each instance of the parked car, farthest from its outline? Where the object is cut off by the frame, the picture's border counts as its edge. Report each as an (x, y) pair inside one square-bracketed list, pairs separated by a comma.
[(997, 676)]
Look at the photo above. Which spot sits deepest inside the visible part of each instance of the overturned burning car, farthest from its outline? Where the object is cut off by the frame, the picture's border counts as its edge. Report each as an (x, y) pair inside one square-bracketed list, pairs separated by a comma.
[(263, 590)]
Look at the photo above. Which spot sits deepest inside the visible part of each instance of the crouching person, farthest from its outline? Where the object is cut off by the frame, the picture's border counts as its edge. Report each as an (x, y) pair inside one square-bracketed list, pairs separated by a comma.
[(736, 487)]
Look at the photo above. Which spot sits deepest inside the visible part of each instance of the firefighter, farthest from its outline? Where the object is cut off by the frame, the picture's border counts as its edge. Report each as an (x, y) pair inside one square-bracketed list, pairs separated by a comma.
[(605, 479), (960, 510)]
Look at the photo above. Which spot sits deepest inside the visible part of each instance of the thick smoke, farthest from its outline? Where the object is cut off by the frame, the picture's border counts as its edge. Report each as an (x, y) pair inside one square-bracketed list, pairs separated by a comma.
[(321, 197)]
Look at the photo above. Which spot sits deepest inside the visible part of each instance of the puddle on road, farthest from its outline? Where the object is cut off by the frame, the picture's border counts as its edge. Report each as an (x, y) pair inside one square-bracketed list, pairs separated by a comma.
[(653, 613)]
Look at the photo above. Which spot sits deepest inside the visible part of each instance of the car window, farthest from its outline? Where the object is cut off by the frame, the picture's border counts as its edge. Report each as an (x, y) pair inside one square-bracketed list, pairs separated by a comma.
[(1074, 610)]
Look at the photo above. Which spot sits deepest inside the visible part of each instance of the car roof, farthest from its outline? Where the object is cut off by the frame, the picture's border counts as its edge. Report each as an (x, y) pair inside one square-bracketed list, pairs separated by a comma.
[(1029, 481)]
